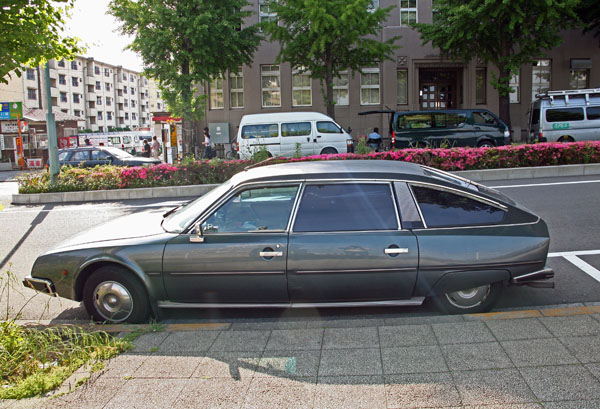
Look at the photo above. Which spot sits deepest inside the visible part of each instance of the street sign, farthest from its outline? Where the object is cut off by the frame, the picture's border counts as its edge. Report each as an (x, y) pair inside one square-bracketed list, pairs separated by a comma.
[(11, 110)]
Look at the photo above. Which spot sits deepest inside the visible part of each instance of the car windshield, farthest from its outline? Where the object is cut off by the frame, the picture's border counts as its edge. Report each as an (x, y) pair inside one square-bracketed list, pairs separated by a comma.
[(119, 153), (177, 221)]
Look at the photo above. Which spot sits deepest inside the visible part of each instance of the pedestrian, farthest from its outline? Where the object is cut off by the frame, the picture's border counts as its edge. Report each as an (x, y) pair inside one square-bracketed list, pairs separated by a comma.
[(208, 152), (88, 142), (147, 149), (155, 147), (374, 139)]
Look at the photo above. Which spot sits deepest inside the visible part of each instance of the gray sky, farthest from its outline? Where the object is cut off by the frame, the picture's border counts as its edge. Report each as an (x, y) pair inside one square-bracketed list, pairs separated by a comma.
[(90, 23)]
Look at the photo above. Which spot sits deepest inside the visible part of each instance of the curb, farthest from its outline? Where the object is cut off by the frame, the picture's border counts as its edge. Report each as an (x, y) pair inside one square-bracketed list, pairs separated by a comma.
[(198, 190)]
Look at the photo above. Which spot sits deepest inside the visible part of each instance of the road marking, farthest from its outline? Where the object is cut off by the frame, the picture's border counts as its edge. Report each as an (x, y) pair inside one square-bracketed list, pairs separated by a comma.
[(573, 258), (86, 207), (546, 184), (574, 253)]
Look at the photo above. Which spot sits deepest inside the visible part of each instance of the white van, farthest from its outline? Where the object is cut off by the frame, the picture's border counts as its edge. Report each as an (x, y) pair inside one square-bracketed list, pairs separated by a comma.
[(565, 116), (280, 133)]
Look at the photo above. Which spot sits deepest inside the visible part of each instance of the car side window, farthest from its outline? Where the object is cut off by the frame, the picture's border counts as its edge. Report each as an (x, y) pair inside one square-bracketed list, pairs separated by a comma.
[(296, 129), (484, 118), (328, 127), (441, 208), (260, 131), (414, 121), (259, 209), (100, 155), (79, 156), (346, 207), (63, 155)]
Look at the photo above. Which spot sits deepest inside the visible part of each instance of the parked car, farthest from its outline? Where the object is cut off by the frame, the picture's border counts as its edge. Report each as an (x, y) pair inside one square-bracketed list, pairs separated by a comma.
[(565, 116), (445, 128), (309, 234), (90, 156)]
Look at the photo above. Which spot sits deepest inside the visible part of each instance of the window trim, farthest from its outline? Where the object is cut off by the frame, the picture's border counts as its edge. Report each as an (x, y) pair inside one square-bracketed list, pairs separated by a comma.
[(405, 70), (213, 91), (236, 74), (371, 70), (263, 90), (342, 88), (300, 73), (408, 10)]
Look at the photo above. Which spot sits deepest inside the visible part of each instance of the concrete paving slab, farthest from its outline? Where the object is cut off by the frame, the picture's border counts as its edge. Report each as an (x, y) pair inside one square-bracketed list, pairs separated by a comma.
[(406, 335), (431, 390), (147, 393), (124, 365), (193, 341), (585, 349), (362, 361), (241, 341), (565, 382), (338, 338), (434, 319), (539, 352), (350, 392), (230, 365), (215, 393), (509, 330), (571, 326), (573, 404), (465, 357), (414, 359), (268, 393), (594, 369), (252, 326), (148, 342), (295, 339), (169, 366), (94, 394), (462, 332), (289, 364), (493, 387), (369, 322)]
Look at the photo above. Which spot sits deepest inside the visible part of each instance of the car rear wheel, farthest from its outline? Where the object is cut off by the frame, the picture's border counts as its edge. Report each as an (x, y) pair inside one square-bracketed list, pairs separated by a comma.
[(565, 138), (486, 144), (469, 301), (113, 295), (329, 151)]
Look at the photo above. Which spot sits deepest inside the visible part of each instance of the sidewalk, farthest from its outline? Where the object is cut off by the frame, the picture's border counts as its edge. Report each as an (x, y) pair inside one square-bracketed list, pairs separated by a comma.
[(547, 358)]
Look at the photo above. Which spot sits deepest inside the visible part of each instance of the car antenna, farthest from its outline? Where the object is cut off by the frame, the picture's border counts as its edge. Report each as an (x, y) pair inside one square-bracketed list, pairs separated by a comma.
[(262, 162)]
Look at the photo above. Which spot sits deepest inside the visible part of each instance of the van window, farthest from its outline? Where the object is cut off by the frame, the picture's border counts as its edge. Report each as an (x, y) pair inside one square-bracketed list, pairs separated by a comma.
[(328, 127), (448, 120), (126, 140), (535, 116), (296, 129), (484, 118), (564, 114), (413, 121), (115, 140), (260, 131), (593, 112)]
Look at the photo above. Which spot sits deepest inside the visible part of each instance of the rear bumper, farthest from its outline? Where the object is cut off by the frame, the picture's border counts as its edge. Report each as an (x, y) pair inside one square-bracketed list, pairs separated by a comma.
[(40, 284), (535, 278)]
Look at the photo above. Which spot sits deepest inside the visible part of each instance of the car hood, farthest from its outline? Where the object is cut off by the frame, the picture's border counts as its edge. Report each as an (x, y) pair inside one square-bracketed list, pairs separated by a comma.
[(127, 227)]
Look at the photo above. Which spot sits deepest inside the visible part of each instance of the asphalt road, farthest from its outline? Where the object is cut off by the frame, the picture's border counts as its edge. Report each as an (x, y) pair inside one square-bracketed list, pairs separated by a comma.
[(570, 206)]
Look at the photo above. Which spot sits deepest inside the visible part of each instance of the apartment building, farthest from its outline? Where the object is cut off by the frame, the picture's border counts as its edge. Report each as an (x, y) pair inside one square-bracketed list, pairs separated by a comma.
[(418, 77), (102, 95)]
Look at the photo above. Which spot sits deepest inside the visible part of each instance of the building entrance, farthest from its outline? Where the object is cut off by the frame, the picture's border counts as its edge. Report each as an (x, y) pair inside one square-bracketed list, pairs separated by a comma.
[(438, 89)]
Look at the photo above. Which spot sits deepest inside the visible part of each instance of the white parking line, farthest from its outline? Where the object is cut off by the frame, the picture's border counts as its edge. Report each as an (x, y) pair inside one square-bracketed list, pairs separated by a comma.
[(85, 207), (546, 184), (572, 257)]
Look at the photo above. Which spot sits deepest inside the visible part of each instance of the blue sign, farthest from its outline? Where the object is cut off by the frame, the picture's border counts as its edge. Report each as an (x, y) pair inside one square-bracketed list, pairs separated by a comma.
[(5, 110)]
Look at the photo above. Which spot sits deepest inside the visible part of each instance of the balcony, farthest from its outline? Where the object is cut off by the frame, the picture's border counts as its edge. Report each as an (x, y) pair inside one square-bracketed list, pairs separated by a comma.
[(53, 74), (54, 92), (90, 95), (92, 112)]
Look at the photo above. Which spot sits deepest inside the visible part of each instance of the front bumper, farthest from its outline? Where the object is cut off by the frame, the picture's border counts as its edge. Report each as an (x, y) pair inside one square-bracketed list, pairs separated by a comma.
[(535, 279), (40, 284)]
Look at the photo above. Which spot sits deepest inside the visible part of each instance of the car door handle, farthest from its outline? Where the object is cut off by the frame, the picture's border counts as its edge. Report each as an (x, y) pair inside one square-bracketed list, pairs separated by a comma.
[(271, 253), (395, 250)]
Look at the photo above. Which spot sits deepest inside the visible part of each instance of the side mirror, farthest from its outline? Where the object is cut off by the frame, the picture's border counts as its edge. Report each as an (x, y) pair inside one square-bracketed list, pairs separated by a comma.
[(197, 237)]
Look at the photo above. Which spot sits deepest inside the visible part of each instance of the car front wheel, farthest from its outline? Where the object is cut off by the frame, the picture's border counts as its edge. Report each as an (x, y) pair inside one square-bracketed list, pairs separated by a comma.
[(469, 301), (114, 296)]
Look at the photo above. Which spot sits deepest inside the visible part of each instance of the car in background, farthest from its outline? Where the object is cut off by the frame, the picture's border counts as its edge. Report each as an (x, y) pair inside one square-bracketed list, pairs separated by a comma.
[(445, 128), (307, 235), (90, 156)]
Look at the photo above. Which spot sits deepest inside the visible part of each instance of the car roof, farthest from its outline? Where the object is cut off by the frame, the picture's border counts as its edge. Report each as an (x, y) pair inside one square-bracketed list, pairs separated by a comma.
[(283, 116)]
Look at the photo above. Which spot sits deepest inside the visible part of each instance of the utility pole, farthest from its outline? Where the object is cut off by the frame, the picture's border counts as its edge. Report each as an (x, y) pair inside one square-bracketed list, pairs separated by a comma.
[(51, 130)]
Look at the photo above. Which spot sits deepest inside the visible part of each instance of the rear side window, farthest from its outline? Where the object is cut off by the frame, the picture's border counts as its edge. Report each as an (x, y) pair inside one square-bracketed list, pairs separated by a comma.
[(441, 208), (448, 120), (346, 207), (79, 156), (593, 112), (63, 155), (296, 129), (328, 127), (535, 116), (260, 131), (100, 155), (413, 121), (484, 118), (564, 114)]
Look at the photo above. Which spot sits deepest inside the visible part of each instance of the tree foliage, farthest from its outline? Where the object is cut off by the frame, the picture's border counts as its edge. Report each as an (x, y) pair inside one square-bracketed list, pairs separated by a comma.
[(327, 37), (31, 34), (506, 33), (184, 43), (589, 14)]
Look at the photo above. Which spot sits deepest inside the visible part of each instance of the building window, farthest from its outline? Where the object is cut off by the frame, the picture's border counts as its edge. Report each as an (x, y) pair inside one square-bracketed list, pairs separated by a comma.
[(130, 78), (76, 98), (402, 86), (515, 84), (236, 89), (301, 88), (264, 12), (133, 103), (133, 116), (63, 97), (77, 113), (98, 86), (107, 86), (216, 93), (98, 100), (540, 77), (61, 63), (109, 116), (132, 90), (578, 79), (106, 73), (30, 74), (96, 70), (271, 91), (127, 115), (108, 101), (74, 81), (408, 12), (340, 89), (73, 65), (369, 86), (126, 103), (480, 85), (31, 93), (124, 77), (100, 116), (62, 79), (124, 90)]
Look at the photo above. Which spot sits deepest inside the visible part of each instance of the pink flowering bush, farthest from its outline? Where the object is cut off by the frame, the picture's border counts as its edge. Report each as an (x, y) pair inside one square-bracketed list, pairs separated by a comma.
[(218, 171)]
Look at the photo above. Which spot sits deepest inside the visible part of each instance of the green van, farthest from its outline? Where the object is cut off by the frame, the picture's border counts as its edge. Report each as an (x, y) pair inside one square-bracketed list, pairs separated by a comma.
[(446, 128)]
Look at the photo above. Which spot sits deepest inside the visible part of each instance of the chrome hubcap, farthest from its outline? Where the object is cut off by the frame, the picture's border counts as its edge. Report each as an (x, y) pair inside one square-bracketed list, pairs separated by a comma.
[(113, 301), (469, 298)]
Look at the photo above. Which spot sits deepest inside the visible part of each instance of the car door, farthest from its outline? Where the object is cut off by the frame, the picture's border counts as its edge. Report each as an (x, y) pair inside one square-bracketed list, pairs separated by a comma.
[(297, 138), (241, 256), (100, 157), (79, 157), (346, 245), (487, 126), (329, 136)]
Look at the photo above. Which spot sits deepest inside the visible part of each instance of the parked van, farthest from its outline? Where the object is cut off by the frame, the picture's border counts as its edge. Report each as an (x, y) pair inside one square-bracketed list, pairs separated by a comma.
[(445, 128), (565, 116), (280, 134)]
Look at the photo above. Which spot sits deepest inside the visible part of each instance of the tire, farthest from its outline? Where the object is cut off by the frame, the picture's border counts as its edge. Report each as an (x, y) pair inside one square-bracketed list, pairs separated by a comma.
[(470, 301), (565, 138), (113, 295), (329, 151), (486, 144)]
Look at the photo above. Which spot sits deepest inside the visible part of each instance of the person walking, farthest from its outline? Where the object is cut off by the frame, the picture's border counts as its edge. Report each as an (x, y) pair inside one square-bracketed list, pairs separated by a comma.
[(155, 148), (147, 149), (374, 139), (208, 152)]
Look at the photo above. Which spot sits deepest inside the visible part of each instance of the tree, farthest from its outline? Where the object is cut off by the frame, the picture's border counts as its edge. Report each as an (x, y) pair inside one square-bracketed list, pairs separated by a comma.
[(325, 37), (184, 43), (31, 34), (507, 34), (589, 14)]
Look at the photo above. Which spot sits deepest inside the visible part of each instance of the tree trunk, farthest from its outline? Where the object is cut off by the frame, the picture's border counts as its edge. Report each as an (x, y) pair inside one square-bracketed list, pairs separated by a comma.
[(329, 85), (503, 96), (186, 97)]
